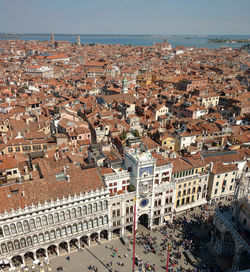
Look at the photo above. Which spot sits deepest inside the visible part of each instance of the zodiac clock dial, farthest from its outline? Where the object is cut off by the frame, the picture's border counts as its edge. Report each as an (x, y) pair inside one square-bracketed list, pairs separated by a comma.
[(144, 202)]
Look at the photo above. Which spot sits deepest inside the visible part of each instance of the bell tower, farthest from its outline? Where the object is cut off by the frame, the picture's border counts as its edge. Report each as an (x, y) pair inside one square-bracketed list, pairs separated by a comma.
[(125, 85)]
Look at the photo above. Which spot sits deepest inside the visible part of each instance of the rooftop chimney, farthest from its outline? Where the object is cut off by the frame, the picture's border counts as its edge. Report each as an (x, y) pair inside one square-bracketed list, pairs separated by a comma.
[(68, 178)]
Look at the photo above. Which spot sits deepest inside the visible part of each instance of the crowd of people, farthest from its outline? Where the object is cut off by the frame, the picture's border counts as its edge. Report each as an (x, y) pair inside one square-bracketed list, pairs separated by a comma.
[(181, 236)]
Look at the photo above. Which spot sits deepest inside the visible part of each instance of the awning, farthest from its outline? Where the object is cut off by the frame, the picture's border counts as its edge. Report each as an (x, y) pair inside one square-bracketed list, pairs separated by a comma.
[(167, 217)]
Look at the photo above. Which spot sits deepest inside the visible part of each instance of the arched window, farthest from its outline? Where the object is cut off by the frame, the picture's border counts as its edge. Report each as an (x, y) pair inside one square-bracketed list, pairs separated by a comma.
[(1, 232), (89, 209), (105, 219), (90, 224), (19, 227), (4, 248), (100, 221), (85, 225), (52, 235), (35, 240), (64, 233), (56, 217), (41, 238), (79, 226), (6, 230), (67, 214), (32, 224), (23, 243), (95, 207), (44, 220), (79, 212), (69, 230), (74, 228), (26, 225), (10, 246), (58, 233), (84, 210), (38, 222), (73, 213), (29, 241), (100, 206), (62, 216), (16, 244), (13, 228), (105, 204), (95, 222), (46, 236), (50, 219)]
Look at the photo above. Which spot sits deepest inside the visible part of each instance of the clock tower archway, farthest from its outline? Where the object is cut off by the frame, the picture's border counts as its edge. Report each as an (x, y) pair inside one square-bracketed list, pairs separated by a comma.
[(144, 220)]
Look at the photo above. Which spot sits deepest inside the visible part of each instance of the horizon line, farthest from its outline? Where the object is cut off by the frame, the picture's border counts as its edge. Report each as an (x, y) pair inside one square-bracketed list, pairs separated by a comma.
[(116, 34)]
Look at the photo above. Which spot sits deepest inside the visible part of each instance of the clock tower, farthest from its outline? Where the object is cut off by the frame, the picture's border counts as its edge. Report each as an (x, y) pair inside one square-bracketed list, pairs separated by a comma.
[(141, 164)]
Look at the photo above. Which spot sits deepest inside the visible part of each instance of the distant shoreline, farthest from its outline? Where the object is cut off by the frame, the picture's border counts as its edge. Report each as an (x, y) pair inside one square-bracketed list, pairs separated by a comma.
[(228, 41), (189, 40)]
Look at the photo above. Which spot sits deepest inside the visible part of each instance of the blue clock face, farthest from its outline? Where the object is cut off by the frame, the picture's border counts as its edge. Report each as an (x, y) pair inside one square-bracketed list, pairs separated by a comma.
[(144, 202), (146, 169)]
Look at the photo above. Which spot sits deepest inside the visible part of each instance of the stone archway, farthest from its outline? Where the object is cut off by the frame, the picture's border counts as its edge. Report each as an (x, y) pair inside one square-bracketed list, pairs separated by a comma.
[(104, 235), (41, 253), (144, 220), (29, 257), (129, 230), (63, 247), (17, 260), (52, 250), (84, 240), (73, 244), (94, 238)]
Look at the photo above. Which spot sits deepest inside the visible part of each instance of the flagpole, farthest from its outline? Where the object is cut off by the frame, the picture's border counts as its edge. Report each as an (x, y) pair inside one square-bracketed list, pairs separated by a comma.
[(168, 249), (134, 235)]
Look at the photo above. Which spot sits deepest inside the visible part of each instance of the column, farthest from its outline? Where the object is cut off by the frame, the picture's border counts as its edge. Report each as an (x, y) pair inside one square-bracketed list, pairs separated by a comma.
[(236, 262), (78, 243), (109, 236), (88, 240), (122, 231), (57, 251), (23, 260), (161, 220), (68, 245), (99, 238)]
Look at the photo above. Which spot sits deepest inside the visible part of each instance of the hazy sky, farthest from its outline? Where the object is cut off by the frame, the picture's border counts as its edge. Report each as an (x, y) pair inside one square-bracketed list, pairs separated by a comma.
[(126, 16)]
